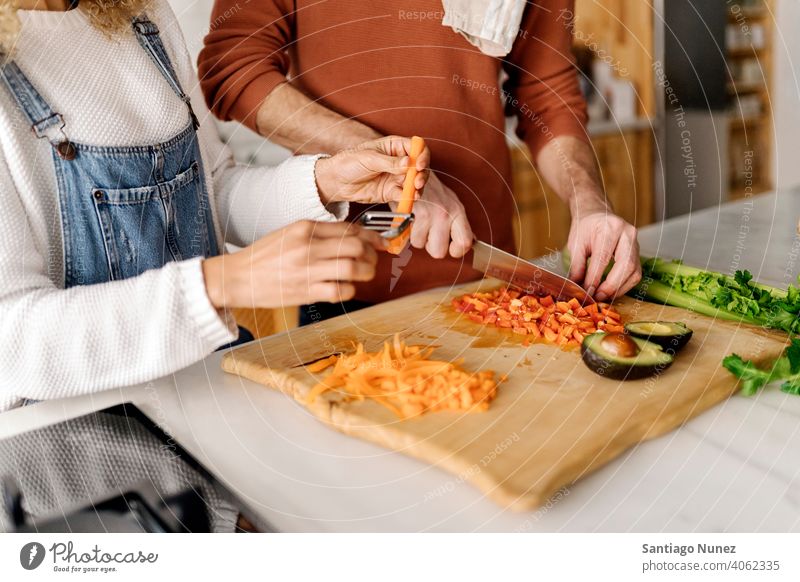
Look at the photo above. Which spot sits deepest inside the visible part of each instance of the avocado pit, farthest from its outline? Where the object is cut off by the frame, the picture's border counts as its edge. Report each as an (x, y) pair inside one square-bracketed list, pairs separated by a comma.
[(621, 356), (620, 345)]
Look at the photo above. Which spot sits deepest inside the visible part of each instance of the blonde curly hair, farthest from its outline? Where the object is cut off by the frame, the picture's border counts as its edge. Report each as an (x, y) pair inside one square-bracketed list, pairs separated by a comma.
[(109, 16)]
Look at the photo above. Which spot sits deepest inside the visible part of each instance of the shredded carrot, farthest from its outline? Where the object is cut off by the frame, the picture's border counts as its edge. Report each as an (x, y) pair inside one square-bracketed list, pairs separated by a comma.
[(564, 323), (405, 380), (322, 364)]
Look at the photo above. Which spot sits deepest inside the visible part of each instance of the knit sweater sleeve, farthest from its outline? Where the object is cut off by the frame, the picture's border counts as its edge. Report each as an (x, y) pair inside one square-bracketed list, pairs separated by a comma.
[(64, 342), (250, 201)]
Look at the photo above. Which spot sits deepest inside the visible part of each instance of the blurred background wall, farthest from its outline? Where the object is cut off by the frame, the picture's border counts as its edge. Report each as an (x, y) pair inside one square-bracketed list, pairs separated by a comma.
[(786, 94)]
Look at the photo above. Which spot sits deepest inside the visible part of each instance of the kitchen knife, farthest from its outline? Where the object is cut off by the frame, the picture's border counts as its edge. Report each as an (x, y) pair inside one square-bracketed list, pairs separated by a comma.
[(524, 275)]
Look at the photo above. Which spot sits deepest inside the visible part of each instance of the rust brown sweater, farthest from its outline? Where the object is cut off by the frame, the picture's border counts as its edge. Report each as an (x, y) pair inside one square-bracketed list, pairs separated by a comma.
[(392, 65)]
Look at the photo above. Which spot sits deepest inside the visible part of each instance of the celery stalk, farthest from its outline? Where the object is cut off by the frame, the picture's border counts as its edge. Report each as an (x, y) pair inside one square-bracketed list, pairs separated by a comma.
[(658, 292), (736, 298)]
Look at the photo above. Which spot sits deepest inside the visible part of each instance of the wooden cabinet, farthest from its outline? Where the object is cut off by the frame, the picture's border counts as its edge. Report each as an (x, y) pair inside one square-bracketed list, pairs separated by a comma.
[(542, 221), (749, 51)]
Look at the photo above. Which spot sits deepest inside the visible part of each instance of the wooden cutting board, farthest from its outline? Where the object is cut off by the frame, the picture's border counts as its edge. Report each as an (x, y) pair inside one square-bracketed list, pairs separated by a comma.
[(553, 420)]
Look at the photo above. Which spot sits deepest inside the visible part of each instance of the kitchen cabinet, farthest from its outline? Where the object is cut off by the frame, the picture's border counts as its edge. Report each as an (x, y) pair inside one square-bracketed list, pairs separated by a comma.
[(749, 53)]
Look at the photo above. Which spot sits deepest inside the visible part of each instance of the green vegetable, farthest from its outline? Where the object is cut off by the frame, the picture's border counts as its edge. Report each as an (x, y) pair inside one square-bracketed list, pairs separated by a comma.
[(736, 298), (752, 378), (672, 336)]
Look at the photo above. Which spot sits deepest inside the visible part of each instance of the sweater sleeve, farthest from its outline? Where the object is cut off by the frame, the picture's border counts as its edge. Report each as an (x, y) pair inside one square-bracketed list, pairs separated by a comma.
[(545, 94), (64, 342), (245, 56), (250, 201)]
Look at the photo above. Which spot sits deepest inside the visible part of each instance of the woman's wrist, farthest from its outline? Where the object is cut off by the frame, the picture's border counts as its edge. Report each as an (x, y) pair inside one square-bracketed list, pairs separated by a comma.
[(214, 277), (325, 177)]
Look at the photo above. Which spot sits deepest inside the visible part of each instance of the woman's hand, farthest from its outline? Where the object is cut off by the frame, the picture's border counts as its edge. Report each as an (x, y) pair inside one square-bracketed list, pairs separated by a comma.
[(371, 173), (300, 264)]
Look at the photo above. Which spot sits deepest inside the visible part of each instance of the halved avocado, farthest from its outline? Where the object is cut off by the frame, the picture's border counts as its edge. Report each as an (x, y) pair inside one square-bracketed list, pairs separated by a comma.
[(621, 357), (670, 335)]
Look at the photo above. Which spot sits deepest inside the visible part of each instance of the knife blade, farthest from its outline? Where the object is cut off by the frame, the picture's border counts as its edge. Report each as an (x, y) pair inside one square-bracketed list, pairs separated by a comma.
[(524, 275)]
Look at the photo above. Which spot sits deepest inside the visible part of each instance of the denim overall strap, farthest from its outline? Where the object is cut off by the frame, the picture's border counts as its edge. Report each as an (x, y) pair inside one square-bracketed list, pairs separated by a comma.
[(148, 36), (45, 123)]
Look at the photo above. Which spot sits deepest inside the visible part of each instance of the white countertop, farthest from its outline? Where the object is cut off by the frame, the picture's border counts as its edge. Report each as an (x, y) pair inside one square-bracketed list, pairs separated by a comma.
[(734, 468)]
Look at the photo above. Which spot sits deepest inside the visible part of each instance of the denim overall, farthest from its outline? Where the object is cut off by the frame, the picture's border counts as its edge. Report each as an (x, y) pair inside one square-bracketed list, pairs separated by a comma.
[(124, 210)]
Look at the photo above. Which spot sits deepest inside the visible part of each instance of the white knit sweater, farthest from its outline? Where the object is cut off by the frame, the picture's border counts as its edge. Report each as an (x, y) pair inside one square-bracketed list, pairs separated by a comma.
[(56, 342)]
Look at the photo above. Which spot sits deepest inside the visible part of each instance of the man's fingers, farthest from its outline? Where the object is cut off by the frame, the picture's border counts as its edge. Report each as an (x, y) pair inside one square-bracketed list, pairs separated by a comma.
[(636, 276), (438, 241), (609, 288), (378, 163), (632, 281), (577, 263), (461, 235), (421, 179), (424, 159), (626, 264), (609, 292), (421, 226), (600, 255), (391, 145)]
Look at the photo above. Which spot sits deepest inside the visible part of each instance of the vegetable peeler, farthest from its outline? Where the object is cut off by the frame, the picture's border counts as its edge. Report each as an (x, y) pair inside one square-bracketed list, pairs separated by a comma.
[(389, 224)]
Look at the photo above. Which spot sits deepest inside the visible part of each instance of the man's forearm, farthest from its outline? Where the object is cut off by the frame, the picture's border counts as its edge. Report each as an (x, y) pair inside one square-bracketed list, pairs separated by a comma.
[(569, 166), (289, 118)]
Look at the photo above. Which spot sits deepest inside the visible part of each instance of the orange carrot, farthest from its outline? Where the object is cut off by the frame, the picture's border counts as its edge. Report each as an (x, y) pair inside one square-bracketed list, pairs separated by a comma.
[(320, 365), (406, 203), (403, 379), (564, 323)]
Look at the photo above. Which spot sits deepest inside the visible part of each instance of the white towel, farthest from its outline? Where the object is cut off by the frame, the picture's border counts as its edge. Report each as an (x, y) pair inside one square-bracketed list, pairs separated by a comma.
[(490, 25)]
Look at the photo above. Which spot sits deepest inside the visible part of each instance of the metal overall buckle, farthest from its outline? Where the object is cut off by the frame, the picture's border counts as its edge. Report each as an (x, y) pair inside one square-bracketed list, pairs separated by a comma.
[(65, 149)]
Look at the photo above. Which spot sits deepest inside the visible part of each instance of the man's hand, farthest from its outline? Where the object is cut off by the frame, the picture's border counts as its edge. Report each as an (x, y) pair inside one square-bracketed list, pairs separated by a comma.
[(372, 172), (302, 263), (569, 166), (601, 236), (440, 224), (291, 119)]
